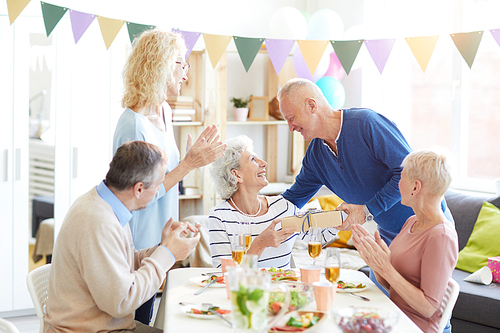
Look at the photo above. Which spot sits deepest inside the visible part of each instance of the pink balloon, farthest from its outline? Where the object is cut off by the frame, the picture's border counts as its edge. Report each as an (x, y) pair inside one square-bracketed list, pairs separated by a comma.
[(302, 71), (335, 70)]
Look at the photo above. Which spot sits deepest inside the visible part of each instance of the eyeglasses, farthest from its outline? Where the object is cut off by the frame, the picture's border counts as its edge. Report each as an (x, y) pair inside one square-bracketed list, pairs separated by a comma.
[(185, 66)]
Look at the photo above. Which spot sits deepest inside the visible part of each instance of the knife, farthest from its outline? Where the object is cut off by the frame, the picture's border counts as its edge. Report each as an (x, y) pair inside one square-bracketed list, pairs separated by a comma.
[(203, 289)]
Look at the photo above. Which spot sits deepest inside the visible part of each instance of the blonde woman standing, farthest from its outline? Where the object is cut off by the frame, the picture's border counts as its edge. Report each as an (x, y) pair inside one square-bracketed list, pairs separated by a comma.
[(155, 71)]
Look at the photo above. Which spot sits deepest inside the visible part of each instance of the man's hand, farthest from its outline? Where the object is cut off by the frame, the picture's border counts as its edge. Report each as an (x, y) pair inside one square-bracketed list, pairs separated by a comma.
[(272, 238), (173, 237), (355, 215), (190, 228), (205, 150)]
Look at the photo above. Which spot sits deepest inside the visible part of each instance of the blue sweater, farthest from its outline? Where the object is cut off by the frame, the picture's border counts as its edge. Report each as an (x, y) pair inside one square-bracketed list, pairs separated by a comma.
[(366, 170)]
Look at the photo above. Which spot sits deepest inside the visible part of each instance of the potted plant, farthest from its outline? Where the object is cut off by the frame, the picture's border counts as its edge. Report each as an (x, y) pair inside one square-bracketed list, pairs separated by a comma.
[(240, 108)]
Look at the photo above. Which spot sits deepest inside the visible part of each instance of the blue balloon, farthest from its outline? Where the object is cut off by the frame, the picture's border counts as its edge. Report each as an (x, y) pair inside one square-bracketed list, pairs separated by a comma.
[(333, 90)]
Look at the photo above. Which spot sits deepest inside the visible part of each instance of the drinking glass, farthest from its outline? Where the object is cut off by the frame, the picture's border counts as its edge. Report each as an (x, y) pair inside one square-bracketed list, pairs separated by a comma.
[(314, 246), (250, 291), (247, 231), (250, 261), (238, 248), (332, 267)]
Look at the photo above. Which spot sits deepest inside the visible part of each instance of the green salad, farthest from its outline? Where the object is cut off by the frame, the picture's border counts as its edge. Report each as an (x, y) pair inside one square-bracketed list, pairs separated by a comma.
[(277, 299)]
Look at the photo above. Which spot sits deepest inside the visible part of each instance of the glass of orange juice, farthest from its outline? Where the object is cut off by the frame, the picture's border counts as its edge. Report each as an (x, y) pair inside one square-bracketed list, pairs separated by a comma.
[(238, 248), (314, 245), (332, 264), (248, 234)]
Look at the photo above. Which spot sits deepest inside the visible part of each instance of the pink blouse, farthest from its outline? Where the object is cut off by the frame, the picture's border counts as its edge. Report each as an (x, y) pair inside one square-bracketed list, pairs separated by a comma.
[(425, 259)]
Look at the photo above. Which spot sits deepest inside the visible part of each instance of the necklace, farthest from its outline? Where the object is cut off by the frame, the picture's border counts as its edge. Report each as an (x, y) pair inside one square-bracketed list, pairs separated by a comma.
[(239, 210)]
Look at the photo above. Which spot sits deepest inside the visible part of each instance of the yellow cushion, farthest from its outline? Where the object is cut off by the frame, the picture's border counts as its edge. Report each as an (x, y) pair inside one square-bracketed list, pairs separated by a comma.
[(330, 202), (483, 241)]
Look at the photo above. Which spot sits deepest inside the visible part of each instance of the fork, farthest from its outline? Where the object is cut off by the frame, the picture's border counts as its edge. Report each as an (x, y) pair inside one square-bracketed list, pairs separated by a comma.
[(208, 306), (362, 297)]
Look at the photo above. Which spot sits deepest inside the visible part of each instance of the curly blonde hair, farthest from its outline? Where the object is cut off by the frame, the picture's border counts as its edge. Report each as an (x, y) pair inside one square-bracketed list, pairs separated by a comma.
[(150, 67)]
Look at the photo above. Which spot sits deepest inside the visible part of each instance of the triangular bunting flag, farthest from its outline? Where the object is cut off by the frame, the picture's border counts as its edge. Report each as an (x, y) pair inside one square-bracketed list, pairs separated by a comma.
[(312, 51), (247, 49), (380, 50), (135, 29), (190, 38), (467, 44), (347, 51), (496, 35), (79, 23), (422, 48), (15, 7), (51, 16), (278, 51), (216, 45), (109, 29)]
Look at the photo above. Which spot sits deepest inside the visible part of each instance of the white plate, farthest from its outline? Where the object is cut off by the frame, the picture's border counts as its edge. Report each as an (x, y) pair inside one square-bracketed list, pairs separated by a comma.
[(186, 308), (198, 281), (352, 290)]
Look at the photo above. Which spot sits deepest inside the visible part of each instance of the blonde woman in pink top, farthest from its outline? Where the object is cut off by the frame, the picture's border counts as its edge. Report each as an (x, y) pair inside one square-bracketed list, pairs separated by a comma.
[(416, 267)]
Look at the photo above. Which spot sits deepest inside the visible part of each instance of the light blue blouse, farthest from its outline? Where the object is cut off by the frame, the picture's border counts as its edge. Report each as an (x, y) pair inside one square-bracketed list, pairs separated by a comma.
[(147, 224)]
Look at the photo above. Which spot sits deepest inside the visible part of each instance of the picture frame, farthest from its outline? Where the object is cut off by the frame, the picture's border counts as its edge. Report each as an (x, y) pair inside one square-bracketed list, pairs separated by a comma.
[(259, 108)]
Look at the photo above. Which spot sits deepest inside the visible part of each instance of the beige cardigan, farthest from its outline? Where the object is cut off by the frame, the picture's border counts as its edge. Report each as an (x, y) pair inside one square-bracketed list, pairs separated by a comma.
[(97, 278)]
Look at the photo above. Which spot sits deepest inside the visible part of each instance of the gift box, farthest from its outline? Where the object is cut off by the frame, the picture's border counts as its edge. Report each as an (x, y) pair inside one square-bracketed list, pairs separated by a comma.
[(322, 219), (494, 266)]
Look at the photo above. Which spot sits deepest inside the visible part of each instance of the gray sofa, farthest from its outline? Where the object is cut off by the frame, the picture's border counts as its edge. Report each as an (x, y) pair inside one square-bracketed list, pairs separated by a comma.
[(478, 306)]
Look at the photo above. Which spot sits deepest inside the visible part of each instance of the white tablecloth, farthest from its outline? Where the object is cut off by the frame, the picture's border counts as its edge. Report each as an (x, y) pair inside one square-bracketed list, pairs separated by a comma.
[(179, 289)]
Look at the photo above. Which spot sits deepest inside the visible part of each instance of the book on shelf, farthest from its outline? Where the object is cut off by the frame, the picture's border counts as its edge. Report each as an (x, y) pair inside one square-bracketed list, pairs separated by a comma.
[(183, 111), (181, 98), (181, 105), (176, 118)]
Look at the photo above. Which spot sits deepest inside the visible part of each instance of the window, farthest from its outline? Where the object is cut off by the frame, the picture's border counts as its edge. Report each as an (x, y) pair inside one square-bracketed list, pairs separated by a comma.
[(449, 105)]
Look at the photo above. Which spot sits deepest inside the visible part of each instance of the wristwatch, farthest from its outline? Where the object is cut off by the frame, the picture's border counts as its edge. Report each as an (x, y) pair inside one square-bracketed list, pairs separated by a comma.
[(368, 215)]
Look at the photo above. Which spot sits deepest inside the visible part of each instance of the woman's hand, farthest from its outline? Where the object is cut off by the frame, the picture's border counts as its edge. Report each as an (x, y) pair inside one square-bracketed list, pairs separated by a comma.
[(205, 150), (270, 237), (373, 251)]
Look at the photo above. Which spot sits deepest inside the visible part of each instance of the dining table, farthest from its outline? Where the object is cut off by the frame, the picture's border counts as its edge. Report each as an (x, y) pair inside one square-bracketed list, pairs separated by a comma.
[(181, 288)]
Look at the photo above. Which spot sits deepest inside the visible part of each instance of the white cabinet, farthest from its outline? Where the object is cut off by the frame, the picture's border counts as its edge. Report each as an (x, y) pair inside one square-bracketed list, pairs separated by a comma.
[(87, 95), (85, 102), (14, 230)]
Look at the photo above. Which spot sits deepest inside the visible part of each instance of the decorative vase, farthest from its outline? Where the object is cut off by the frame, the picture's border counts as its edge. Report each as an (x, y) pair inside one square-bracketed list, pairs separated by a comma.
[(240, 114)]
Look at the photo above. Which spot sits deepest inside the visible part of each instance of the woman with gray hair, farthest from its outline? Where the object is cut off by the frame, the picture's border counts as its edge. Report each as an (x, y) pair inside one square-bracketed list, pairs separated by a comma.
[(239, 176), (417, 265)]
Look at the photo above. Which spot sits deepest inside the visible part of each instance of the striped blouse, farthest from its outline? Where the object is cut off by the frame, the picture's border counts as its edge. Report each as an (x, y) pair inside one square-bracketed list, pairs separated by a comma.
[(224, 222)]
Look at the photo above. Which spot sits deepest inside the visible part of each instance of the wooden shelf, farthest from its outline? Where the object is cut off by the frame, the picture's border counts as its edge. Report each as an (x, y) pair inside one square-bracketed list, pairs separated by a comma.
[(257, 122), (189, 197)]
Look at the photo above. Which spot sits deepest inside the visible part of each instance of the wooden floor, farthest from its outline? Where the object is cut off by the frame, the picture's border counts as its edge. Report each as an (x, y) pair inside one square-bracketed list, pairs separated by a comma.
[(31, 324), (27, 324)]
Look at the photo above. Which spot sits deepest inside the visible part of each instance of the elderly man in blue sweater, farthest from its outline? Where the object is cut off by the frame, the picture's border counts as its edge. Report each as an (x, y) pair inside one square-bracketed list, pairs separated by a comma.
[(356, 153)]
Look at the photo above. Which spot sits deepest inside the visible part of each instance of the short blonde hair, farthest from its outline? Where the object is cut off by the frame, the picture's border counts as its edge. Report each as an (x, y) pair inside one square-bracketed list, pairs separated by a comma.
[(226, 184), (150, 66), (431, 167)]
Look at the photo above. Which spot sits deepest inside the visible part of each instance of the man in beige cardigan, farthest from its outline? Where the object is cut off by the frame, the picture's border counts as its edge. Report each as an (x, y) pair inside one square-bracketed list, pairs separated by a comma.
[(97, 278)]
